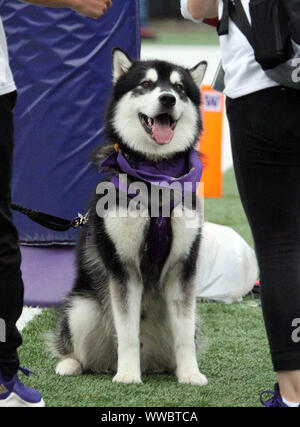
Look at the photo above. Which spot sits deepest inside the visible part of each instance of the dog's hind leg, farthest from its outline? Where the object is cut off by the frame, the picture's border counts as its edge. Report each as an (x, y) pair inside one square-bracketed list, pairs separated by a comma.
[(181, 304), (77, 323), (69, 366), (59, 342), (126, 306), (92, 338)]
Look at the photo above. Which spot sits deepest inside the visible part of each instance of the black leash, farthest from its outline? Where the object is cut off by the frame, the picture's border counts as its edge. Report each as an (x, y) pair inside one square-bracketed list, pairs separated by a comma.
[(50, 221)]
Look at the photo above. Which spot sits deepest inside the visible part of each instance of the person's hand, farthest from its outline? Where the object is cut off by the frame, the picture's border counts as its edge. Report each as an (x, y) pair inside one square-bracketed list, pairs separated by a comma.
[(91, 8)]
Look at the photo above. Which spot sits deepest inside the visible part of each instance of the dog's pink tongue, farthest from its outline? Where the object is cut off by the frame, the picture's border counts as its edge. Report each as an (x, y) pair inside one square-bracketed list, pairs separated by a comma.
[(162, 132)]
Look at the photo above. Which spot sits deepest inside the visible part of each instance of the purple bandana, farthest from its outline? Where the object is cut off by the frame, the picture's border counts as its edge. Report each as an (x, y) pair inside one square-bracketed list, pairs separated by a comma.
[(183, 169)]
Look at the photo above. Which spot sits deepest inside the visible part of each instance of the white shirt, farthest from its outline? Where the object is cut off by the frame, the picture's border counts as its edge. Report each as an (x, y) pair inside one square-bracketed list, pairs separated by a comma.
[(243, 75), (7, 84)]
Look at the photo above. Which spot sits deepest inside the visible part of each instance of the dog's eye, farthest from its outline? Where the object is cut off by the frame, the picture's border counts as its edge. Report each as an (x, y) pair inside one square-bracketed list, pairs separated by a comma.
[(147, 84), (179, 87)]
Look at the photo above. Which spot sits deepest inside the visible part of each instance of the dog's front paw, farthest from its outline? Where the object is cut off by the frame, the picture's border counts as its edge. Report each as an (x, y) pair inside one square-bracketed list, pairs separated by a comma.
[(68, 366), (193, 378), (127, 378)]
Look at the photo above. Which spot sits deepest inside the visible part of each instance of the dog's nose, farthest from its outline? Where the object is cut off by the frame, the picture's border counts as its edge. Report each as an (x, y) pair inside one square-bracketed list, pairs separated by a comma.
[(167, 100)]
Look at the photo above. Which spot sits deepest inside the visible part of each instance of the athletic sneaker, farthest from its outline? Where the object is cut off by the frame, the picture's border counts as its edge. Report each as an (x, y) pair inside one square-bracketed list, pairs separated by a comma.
[(13, 393), (276, 399)]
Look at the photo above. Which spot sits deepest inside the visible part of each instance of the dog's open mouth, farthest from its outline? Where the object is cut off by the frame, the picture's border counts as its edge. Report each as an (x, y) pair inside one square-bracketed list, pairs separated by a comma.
[(161, 127)]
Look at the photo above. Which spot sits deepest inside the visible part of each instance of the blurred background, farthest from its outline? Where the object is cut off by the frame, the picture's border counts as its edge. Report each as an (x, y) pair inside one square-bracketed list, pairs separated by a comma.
[(162, 21)]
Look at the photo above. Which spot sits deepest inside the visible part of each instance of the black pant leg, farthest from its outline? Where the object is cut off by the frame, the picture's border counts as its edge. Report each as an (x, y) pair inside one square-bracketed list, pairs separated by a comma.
[(265, 137), (11, 285)]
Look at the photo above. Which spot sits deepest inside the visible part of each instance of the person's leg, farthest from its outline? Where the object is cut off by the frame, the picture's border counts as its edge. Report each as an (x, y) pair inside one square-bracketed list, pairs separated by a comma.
[(144, 13), (265, 137), (146, 32), (13, 392), (11, 285)]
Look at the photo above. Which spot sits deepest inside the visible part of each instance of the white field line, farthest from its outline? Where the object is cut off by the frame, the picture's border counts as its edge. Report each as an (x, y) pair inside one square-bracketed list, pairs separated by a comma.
[(188, 56)]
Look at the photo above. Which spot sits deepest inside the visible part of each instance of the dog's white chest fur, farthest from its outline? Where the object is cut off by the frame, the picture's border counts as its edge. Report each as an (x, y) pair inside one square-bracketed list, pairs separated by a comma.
[(128, 234)]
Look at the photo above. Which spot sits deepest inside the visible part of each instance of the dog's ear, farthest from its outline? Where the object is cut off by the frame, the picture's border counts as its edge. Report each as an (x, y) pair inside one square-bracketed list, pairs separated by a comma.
[(198, 72), (121, 63)]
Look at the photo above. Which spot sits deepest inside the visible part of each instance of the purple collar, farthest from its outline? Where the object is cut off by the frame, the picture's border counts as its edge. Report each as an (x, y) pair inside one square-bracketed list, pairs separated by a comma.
[(184, 169)]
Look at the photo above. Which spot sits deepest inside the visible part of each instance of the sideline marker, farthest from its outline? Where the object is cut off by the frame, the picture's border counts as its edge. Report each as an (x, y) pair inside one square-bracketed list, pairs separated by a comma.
[(210, 143)]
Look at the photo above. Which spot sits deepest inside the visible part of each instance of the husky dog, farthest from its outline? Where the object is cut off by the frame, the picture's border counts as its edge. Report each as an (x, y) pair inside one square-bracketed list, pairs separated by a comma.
[(127, 313)]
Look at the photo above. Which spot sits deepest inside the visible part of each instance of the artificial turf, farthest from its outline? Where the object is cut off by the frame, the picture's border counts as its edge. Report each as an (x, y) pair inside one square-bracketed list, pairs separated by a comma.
[(235, 360)]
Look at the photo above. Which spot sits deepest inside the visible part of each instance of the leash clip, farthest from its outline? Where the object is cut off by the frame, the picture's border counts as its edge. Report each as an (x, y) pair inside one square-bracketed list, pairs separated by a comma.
[(80, 220)]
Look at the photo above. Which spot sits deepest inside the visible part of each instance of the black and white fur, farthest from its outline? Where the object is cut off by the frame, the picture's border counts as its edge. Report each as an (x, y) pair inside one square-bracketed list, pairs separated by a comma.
[(121, 316)]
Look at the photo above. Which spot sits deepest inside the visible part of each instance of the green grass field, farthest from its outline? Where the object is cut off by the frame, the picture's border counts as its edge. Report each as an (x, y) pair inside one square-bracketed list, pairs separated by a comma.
[(182, 32), (235, 360), (190, 38)]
